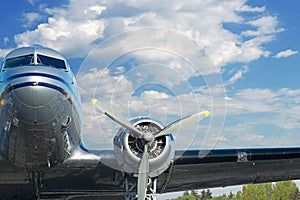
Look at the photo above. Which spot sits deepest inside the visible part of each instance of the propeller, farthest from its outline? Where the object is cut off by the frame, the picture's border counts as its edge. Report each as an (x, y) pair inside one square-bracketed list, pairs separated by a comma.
[(117, 118), (143, 175), (148, 138), (183, 122)]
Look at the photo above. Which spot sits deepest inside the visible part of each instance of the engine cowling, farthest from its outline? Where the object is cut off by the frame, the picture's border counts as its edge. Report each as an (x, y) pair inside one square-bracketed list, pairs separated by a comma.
[(129, 149)]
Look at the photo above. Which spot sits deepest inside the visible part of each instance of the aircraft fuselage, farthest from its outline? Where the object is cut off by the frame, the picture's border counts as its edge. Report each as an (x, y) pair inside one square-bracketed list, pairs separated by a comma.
[(40, 113)]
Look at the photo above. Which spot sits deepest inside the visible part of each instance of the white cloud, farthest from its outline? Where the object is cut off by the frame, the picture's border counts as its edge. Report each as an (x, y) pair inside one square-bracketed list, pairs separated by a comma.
[(154, 95), (238, 75), (90, 22), (117, 90), (4, 52), (77, 28), (246, 8), (265, 25), (97, 9), (32, 2), (279, 108), (30, 18), (252, 137), (286, 53), (262, 118), (5, 40)]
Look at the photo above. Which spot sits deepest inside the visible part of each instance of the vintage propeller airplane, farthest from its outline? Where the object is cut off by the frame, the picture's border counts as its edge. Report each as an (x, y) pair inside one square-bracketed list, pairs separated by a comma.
[(43, 156)]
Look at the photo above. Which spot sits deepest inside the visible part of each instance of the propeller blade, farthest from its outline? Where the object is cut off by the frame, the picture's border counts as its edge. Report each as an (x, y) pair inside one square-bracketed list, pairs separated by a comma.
[(186, 121), (143, 175), (117, 117)]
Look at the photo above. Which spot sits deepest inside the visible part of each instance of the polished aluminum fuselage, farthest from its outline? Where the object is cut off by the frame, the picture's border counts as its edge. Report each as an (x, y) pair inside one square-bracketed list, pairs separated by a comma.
[(40, 114)]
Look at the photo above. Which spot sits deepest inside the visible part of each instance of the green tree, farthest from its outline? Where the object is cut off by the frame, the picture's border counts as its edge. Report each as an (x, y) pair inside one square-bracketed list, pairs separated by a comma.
[(285, 190), (239, 195), (223, 197), (208, 194), (205, 195), (255, 192), (295, 195), (189, 196), (230, 196), (282, 190), (186, 197), (195, 194)]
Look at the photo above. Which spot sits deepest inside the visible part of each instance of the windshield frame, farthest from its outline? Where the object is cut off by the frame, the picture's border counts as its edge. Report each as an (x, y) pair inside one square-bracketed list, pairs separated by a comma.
[(34, 59), (23, 60), (51, 62)]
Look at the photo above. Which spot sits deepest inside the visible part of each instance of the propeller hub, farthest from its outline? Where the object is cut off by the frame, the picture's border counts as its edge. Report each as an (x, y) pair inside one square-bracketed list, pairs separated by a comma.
[(140, 145), (148, 137)]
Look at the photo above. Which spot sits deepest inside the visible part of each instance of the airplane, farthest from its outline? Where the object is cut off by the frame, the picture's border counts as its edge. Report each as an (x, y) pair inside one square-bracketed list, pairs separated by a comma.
[(42, 155)]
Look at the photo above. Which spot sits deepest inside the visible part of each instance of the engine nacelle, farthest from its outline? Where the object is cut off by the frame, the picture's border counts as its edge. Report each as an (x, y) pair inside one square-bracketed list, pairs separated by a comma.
[(129, 149)]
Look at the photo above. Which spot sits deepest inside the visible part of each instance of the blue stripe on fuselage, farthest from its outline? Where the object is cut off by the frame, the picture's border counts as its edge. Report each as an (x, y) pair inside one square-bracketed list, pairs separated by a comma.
[(38, 74), (57, 78), (9, 88)]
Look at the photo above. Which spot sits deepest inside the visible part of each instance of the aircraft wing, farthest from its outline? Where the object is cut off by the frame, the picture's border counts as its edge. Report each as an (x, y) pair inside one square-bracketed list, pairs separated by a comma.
[(193, 169), (224, 167), (197, 169)]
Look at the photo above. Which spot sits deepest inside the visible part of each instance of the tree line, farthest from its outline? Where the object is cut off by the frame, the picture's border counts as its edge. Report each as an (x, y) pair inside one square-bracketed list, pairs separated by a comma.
[(285, 190)]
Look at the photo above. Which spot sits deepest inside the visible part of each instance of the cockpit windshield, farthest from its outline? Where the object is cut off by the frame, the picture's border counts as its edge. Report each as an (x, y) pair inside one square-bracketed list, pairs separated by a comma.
[(50, 61), (29, 60), (19, 61)]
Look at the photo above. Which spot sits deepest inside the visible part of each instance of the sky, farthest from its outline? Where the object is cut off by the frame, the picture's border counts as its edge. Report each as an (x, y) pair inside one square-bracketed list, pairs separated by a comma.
[(168, 59)]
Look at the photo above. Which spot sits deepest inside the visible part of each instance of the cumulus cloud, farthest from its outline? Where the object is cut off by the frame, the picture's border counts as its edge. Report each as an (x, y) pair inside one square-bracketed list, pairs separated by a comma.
[(260, 117), (81, 26), (30, 18), (89, 23), (283, 105), (286, 53), (162, 102)]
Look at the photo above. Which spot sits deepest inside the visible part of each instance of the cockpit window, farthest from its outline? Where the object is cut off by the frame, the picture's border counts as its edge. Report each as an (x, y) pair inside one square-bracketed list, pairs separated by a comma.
[(52, 62), (19, 61), (29, 60)]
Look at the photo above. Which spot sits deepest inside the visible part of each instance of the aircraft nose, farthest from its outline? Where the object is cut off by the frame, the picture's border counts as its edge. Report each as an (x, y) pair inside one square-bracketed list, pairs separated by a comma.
[(35, 96), (36, 104)]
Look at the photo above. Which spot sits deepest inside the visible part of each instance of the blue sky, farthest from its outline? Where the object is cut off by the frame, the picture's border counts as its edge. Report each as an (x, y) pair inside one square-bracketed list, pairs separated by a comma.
[(253, 45)]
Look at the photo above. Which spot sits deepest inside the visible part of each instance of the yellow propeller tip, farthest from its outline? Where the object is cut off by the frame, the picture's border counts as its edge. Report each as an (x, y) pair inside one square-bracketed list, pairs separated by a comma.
[(94, 101), (206, 113), (2, 102)]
